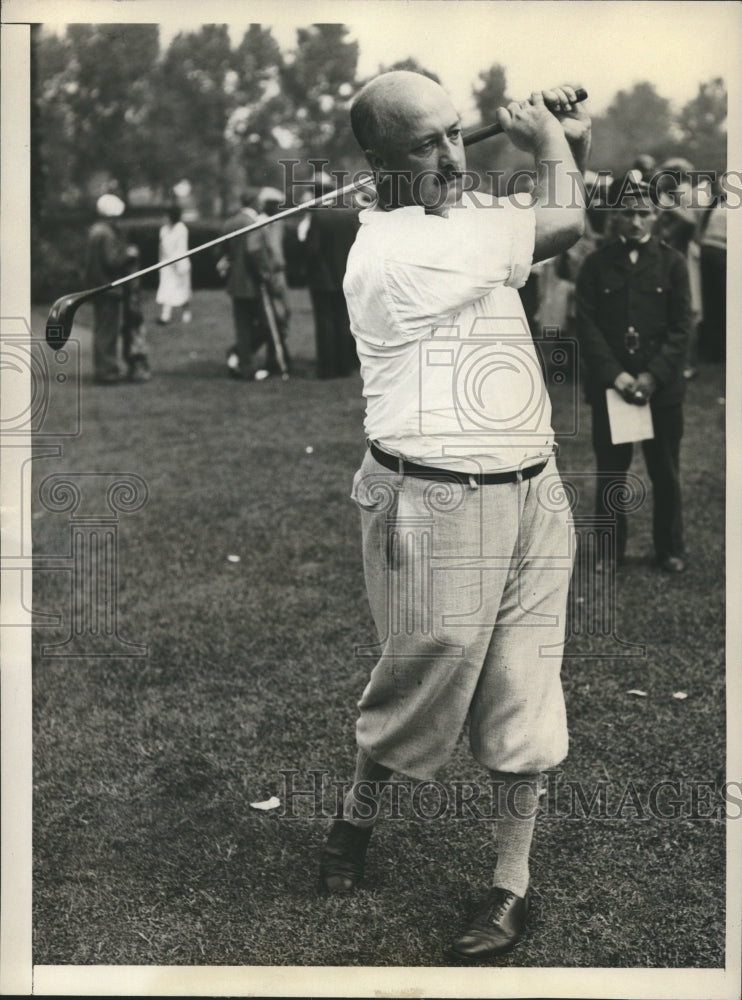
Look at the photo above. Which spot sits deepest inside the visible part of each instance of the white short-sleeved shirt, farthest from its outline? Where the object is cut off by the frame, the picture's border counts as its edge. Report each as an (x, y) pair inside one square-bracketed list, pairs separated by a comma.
[(450, 372)]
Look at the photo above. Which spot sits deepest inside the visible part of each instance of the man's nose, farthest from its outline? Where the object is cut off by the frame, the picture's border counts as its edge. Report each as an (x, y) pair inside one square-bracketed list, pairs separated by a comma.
[(447, 153)]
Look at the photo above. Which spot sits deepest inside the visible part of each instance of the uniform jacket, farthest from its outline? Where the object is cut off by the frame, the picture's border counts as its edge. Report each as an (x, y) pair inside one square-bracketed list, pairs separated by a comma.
[(634, 318), (106, 257), (249, 258)]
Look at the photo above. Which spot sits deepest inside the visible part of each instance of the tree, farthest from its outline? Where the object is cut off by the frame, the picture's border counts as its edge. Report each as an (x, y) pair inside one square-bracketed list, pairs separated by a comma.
[(491, 94), (40, 123), (91, 90), (702, 123), (108, 98), (494, 155), (637, 121), (320, 81), (192, 100), (255, 129)]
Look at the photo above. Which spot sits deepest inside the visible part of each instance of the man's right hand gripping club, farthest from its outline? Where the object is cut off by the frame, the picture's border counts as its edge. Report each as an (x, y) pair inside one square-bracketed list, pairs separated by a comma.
[(556, 131)]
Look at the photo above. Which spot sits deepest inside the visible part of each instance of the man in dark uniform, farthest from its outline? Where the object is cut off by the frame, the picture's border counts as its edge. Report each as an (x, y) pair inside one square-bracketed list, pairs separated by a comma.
[(633, 324)]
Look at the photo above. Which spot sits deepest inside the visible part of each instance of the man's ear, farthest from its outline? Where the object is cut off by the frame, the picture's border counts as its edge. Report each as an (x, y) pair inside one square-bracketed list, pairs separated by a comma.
[(375, 160)]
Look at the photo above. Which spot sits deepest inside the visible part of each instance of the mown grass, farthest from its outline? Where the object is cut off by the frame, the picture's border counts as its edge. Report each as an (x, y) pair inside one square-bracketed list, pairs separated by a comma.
[(146, 850)]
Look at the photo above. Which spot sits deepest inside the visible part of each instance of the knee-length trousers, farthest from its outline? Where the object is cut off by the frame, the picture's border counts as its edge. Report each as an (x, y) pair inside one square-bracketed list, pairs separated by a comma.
[(468, 589)]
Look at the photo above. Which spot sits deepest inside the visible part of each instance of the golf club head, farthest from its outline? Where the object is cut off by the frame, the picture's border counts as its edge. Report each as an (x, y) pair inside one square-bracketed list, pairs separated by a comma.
[(61, 316)]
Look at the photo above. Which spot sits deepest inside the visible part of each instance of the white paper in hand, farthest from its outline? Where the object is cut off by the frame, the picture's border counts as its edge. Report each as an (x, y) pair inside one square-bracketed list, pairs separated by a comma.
[(628, 421)]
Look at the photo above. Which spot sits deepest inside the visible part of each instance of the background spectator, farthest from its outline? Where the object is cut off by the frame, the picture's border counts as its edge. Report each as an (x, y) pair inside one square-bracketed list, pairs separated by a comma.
[(634, 317), (247, 265), (327, 235), (680, 225), (174, 289), (713, 329), (646, 165), (269, 202), (108, 258), (133, 330)]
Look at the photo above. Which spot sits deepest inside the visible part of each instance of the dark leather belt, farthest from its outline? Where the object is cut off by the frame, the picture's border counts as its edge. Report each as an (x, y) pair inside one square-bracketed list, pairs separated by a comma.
[(447, 475)]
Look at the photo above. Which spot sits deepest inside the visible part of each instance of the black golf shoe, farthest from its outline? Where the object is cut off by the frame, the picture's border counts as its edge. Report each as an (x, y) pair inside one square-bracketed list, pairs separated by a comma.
[(497, 927), (342, 859)]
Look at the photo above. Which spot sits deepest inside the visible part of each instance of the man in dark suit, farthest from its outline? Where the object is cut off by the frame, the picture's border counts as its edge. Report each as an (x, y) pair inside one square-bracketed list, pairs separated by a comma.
[(331, 234), (633, 324)]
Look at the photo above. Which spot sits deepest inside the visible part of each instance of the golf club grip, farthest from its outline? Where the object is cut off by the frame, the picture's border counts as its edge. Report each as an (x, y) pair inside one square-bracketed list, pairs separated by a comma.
[(489, 130)]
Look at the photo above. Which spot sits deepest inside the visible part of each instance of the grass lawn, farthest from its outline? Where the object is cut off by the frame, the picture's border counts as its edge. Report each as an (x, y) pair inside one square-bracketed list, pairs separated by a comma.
[(146, 850)]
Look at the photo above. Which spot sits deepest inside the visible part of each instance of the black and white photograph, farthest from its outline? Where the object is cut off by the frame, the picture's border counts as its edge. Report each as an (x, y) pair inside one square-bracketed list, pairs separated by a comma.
[(370, 448)]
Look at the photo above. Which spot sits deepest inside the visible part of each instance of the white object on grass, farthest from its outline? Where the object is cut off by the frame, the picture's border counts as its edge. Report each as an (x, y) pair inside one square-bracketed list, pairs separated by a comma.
[(271, 803)]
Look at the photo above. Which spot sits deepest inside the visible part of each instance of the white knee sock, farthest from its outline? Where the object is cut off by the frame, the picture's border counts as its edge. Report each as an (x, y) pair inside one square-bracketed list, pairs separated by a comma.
[(363, 811), (517, 808)]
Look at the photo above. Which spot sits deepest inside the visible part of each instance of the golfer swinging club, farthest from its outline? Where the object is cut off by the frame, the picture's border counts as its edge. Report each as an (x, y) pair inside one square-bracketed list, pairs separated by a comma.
[(431, 286)]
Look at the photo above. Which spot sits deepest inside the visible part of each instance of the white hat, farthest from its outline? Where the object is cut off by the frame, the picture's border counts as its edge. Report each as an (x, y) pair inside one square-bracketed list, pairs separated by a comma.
[(109, 205), (269, 194), (323, 180)]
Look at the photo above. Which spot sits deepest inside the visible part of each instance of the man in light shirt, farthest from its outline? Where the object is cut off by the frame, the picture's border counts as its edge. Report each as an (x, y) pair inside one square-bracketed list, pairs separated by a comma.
[(467, 553)]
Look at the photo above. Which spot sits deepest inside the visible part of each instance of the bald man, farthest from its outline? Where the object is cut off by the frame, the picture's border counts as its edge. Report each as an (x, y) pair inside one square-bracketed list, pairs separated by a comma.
[(467, 553)]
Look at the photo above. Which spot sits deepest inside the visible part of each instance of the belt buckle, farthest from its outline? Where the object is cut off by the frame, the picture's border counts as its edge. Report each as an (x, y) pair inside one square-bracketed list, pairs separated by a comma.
[(631, 340), (519, 476)]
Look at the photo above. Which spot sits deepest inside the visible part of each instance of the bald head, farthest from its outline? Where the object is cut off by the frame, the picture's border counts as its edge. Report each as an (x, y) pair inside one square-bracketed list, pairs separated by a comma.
[(410, 132), (390, 105)]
